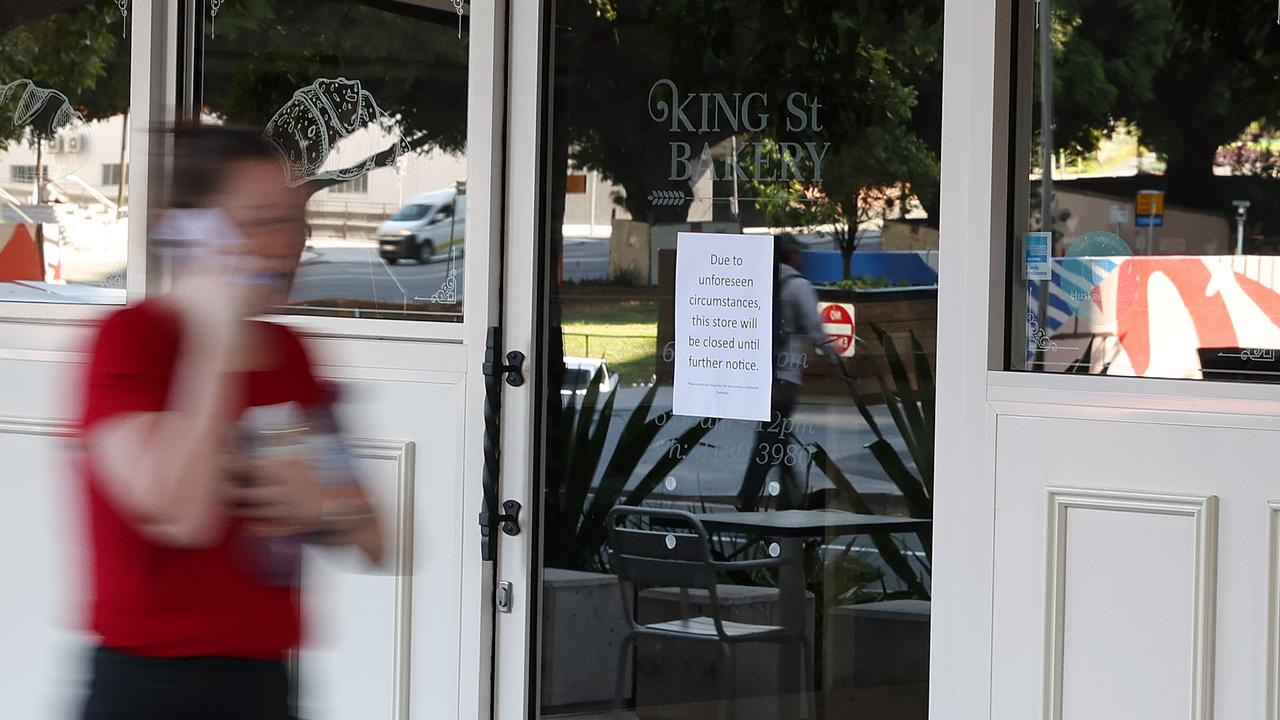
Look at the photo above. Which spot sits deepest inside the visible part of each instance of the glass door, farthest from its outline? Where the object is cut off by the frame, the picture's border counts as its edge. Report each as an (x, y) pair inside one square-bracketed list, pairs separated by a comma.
[(734, 331)]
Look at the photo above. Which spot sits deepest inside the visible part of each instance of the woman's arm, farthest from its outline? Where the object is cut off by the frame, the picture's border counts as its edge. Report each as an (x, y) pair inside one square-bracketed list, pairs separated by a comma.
[(166, 469)]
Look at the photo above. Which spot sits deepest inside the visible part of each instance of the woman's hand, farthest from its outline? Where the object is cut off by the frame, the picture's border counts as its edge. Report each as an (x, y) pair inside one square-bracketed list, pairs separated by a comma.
[(216, 295), (284, 496)]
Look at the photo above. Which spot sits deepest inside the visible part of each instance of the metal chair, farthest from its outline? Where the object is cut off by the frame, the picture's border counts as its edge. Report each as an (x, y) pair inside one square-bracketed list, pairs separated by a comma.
[(679, 556)]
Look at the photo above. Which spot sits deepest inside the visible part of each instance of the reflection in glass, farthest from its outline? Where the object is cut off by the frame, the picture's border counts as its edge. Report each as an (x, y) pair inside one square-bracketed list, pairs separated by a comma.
[(1148, 159), (64, 115), (365, 104), (816, 124)]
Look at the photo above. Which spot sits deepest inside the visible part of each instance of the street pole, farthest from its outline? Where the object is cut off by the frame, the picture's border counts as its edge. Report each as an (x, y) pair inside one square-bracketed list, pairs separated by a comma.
[(1046, 117), (1045, 20), (124, 160), (1242, 219), (592, 174)]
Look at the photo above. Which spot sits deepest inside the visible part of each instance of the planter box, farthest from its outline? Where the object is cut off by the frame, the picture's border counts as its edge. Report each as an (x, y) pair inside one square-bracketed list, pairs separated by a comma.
[(582, 630), (878, 644), (877, 661)]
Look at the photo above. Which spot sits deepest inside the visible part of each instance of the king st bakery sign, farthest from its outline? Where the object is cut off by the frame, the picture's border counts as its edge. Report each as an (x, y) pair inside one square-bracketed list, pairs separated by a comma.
[(723, 115)]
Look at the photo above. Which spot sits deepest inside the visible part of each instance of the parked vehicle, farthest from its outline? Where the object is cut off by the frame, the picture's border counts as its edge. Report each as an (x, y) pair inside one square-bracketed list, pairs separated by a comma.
[(578, 373), (428, 225)]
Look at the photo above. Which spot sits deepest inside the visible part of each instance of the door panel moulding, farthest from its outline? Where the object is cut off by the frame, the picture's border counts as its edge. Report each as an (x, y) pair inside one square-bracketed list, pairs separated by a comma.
[(1203, 509)]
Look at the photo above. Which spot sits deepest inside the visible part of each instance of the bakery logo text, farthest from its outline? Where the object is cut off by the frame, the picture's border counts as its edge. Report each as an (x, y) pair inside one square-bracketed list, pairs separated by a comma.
[(724, 114)]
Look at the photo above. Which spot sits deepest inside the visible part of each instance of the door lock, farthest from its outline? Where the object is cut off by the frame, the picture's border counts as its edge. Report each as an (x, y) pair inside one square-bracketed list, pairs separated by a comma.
[(502, 596)]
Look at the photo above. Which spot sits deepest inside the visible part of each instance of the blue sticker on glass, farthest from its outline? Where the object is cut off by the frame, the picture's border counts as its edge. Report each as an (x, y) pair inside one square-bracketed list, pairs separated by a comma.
[(1037, 255)]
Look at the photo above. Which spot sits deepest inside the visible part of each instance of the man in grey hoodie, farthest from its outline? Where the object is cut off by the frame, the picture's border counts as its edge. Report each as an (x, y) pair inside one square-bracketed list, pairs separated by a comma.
[(799, 335)]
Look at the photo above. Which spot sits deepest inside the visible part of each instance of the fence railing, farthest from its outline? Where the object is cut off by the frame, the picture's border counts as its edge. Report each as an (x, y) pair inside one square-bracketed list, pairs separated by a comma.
[(585, 339)]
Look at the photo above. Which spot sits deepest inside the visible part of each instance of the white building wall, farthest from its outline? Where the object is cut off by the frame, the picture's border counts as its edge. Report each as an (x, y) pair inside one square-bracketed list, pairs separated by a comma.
[(99, 144)]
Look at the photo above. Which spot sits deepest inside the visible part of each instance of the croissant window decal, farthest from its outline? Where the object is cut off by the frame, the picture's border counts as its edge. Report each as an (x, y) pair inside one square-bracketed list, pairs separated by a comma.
[(123, 6), (214, 7), (44, 112), (306, 131)]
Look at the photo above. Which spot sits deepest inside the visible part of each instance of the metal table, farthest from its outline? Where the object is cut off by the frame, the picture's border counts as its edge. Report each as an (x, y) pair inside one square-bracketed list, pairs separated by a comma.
[(792, 528)]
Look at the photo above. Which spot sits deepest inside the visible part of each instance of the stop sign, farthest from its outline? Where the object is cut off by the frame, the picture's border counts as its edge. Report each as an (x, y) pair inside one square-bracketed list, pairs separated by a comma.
[(837, 323)]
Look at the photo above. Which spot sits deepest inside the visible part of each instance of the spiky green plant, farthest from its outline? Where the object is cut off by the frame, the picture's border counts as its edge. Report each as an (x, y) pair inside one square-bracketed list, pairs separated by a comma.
[(911, 405), (576, 511)]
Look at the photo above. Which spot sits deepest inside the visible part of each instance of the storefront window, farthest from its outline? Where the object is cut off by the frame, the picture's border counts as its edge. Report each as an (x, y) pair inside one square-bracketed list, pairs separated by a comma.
[(739, 335), (64, 117), (1147, 158), (365, 104)]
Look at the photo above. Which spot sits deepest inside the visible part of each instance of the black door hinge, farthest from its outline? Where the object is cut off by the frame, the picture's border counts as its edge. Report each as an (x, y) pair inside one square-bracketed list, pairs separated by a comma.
[(513, 368), (510, 517)]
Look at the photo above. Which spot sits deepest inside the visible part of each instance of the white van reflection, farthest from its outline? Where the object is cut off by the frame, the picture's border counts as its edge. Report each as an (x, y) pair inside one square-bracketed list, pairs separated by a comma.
[(578, 373), (430, 224)]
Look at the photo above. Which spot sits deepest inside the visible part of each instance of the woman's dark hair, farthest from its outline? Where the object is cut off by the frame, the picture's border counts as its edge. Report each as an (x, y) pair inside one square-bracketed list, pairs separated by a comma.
[(203, 154)]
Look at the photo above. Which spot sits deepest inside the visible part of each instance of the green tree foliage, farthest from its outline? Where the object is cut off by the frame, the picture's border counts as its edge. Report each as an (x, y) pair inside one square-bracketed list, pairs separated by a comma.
[(408, 57), (1106, 60), (78, 52), (1192, 75), (1218, 77), (609, 53), (864, 62), (860, 58)]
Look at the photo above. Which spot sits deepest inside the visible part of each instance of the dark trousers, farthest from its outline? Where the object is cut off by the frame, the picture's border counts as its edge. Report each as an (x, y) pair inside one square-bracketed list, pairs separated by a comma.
[(770, 449), (126, 687)]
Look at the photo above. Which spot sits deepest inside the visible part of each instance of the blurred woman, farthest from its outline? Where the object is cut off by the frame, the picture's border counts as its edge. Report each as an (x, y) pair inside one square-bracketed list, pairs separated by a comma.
[(195, 525)]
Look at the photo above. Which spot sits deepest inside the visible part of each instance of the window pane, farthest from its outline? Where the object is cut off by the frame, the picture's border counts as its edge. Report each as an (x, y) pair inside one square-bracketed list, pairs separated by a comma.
[(365, 103), (64, 102), (1148, 158)]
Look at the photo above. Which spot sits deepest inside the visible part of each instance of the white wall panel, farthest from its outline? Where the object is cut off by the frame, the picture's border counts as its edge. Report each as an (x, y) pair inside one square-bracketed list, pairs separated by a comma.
[(1134, 576), (375, 648), (357, 650), (42, 601), (386, 632)]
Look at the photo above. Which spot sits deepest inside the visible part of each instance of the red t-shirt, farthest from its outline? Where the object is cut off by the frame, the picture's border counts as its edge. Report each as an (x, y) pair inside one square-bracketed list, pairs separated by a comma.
[(158, 601)]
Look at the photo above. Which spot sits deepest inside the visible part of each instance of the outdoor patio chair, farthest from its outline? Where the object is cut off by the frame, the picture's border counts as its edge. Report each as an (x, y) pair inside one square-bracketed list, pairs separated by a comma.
[(672, 549)]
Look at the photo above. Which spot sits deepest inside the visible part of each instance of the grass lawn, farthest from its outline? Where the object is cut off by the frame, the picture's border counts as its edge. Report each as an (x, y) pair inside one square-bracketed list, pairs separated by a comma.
[(623, 332)]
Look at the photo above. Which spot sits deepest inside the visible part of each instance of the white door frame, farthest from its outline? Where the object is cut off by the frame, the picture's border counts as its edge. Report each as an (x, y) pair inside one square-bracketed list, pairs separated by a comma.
[(975, 74), (487, 68), (515, 652)]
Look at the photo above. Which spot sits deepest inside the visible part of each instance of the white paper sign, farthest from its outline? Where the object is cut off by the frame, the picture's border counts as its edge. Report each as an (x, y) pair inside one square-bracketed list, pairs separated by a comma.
[(724, 326)]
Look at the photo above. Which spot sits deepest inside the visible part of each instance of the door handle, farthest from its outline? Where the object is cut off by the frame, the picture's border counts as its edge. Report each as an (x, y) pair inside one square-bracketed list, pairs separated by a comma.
[(495, 373)]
